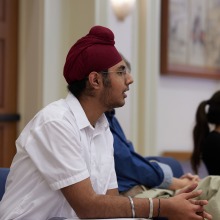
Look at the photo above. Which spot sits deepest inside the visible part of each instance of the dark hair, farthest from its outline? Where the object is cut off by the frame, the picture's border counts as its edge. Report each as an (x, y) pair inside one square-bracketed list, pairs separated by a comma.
[(77, 87), (213, 115), (80, 86), (201, 128)]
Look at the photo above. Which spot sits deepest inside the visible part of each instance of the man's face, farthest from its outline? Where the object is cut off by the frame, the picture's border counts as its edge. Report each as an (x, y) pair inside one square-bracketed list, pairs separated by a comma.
[(114, 94)]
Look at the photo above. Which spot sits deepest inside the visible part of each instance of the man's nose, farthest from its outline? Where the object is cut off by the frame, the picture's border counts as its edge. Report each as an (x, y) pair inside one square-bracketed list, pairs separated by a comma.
[(129, 78)]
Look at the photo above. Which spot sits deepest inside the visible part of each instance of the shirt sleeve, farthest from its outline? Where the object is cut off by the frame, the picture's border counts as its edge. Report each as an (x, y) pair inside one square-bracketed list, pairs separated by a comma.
[(113, 184), (131, 168), (168, 176), (55, 149)]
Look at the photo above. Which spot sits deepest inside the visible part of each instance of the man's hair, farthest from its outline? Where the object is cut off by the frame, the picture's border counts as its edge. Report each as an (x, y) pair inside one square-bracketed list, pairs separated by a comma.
[(82, 86), (77, 87)]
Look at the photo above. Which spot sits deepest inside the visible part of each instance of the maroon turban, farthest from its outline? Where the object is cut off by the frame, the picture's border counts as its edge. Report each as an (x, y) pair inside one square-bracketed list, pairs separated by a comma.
[(93, 52)]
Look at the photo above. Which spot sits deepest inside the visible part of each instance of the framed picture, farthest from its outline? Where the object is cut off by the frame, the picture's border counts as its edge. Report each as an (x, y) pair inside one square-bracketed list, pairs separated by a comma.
[(190, 38)]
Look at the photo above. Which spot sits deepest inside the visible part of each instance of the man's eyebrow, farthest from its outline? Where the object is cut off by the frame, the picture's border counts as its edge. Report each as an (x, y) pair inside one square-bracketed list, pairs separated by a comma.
[(121, 67)]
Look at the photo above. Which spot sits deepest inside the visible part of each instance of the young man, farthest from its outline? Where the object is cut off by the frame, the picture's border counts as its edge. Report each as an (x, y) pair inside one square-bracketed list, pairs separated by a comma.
[(64, 166), (134, 171)]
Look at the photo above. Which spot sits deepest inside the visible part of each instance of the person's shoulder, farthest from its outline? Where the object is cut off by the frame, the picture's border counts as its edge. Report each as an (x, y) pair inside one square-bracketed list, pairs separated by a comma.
[(214, 134), (55, 111), (212, 139), (55, 107)]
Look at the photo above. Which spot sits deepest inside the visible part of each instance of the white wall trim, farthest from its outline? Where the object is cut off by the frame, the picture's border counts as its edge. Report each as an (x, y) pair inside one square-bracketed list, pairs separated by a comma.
[(101, 12), (152, 74)]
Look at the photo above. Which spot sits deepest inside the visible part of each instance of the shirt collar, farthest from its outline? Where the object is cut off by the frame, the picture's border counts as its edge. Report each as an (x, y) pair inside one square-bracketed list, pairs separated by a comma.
[(80, 116)]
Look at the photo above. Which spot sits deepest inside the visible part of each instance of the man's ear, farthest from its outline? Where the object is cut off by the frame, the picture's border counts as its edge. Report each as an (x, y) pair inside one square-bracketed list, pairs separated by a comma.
[(94, 79)]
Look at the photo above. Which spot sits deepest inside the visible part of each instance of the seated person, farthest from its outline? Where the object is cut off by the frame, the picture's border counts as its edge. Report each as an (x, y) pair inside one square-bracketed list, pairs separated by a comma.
[(206, 138), (132, 169)]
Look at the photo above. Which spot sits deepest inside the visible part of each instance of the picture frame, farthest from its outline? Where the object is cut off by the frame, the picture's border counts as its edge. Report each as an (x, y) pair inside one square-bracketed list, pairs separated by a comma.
[(190, 38)]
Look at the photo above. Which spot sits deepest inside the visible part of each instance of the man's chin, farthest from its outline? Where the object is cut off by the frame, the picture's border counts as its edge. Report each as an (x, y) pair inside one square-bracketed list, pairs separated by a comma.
[(120, 105)]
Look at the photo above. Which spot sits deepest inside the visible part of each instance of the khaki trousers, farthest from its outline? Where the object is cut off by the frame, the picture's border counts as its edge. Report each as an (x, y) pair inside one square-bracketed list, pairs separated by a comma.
[(209, 185)]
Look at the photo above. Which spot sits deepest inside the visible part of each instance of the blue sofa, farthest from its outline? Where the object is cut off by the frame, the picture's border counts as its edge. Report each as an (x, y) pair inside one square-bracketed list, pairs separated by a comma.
[(3, 176)]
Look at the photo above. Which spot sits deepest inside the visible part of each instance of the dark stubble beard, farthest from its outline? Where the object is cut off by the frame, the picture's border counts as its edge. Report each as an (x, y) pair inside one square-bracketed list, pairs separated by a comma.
[(106, 96), (107, 100)]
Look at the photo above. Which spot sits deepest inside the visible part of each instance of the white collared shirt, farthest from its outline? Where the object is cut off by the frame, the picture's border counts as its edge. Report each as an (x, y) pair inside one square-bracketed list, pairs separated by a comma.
[(57, 148)]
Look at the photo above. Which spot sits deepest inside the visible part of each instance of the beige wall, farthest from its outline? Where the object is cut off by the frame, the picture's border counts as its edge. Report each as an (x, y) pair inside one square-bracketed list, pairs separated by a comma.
[(31, 16), (47, 29), (159, 112)]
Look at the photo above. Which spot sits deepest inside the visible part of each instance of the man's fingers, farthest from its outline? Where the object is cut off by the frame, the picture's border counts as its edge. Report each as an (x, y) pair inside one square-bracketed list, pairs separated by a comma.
[(193, 194), (205, 215), (191, 177), (189, 188), (200, 210), (196, 178), (188, 175), (199, 202)]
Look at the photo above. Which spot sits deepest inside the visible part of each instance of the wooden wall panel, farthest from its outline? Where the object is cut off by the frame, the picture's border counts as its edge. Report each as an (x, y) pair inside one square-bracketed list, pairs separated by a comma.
[(8, 80), (2, 10), (1, 72)]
